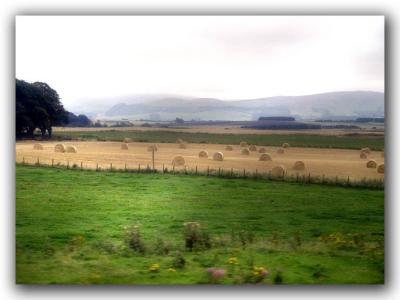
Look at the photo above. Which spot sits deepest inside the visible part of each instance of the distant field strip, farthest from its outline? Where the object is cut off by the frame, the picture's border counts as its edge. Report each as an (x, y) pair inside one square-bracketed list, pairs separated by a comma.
[(353, 141)]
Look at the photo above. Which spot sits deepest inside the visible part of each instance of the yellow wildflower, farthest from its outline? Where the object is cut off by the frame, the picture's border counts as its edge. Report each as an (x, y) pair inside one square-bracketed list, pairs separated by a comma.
[(233, 261), (171, 270)]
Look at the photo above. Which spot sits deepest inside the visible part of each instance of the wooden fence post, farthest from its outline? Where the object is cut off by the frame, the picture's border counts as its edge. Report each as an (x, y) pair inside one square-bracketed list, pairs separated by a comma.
[(256, 173), (23, 160), (110, 166), (52, 162), (139, 169), (244, 172), (309, 177), (163, 170), (208, 170), (125, 168), (231, 172), (67, 164), (152, 156), (219, 172), (196, 170), (173, 169), (81, 165)]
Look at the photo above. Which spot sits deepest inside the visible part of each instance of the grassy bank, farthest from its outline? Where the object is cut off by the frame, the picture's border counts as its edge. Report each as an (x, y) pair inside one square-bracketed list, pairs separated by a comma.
[(74, 227), (375, 142)]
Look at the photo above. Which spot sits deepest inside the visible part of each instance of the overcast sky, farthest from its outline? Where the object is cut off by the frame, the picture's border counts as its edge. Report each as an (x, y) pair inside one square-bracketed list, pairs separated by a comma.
[(229, 57)]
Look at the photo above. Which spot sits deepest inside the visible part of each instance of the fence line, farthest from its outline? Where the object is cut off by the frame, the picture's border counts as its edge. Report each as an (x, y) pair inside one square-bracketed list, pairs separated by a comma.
[(309, 179)]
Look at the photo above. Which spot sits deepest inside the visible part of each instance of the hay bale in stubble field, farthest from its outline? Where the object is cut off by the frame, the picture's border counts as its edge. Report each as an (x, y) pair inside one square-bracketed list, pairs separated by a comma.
[(278, 171), (37, 146), (265, 157), (228, 148), (152, 148), (203, 154), (124, 146), (253, 148), (366, 150), (243, 144), (280, 151), (59, 148), (381, 168), (71, 149), (127, 140), (183, 145), (245, 151), (179, 141), (285, 145), (299, 165), (262, 150), (371, 164), (363, 155), (178, 161), (219, 156)]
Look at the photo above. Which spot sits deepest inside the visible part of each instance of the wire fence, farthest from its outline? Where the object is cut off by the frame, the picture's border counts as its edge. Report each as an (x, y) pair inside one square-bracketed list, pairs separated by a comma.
[(304, 178)]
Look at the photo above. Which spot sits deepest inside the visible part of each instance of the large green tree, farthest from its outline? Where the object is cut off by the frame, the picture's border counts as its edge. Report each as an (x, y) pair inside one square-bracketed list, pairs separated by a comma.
[(37, 106)]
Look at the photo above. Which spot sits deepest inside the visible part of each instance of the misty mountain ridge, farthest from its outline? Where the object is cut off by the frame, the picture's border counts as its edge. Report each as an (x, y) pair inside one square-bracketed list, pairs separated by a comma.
[(333, 105)]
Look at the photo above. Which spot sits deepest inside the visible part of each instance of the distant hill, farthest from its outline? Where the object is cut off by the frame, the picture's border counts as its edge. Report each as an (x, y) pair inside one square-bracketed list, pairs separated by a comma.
[(335, 105)]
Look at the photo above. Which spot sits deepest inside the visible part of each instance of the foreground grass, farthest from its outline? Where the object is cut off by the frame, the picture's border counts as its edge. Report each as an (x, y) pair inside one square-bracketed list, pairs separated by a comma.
[(375, 142), (70, 229)]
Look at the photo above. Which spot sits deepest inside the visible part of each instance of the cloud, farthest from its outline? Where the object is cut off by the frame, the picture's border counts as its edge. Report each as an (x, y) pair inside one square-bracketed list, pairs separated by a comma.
[(207, 56)]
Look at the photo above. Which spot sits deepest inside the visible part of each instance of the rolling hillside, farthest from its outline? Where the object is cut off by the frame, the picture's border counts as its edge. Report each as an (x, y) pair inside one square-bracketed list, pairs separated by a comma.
[(335, 105)]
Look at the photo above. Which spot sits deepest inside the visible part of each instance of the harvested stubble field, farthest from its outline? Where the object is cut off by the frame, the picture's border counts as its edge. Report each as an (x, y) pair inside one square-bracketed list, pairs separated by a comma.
[(318, 162), (71, 228)]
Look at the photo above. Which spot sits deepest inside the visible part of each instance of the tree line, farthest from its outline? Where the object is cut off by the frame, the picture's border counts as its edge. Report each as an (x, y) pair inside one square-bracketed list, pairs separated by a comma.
[(38, 106)]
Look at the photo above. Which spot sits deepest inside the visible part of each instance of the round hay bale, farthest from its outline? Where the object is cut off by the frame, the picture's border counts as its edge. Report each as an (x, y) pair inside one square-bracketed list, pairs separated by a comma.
[(243, 144), (183, 146), (381, 168), (265, 157), (280, 151), (285, 145), (203, 154), (245, 151), (127, 140), (262, 150), (71, 149), (253, 148), (59, 148), (37, 146), (124, 146), (178, 161), (152, 148), (219, 156), (228, 148), (363, 155), (299, 165), (278, 171), (366, 150), (179, 141), (371, 164)]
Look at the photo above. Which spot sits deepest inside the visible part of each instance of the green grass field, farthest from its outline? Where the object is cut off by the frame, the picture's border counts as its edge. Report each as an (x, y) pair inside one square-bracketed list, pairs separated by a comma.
[(71, 228), (375, 142)]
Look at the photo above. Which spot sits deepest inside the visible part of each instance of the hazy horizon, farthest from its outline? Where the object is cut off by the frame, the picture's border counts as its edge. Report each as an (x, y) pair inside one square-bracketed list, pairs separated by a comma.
[(90, 60)]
